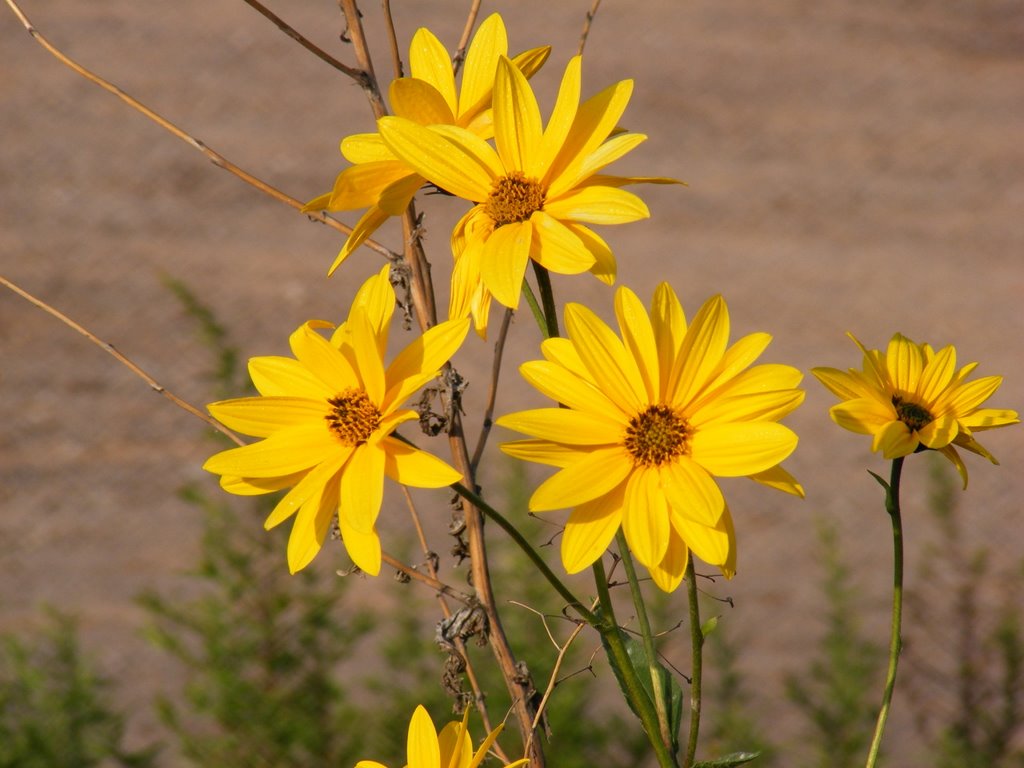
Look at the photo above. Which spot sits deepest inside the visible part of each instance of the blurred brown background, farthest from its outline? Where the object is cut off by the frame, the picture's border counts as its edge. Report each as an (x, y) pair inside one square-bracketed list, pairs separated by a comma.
[(852, 166)]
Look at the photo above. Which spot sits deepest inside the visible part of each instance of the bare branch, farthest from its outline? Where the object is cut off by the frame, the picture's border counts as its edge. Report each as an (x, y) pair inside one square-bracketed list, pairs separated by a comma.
[(492, 393), (355, 35), (586, 25), (460, 54), (213, 156), (320, 53), (396, 54), (123, 359)]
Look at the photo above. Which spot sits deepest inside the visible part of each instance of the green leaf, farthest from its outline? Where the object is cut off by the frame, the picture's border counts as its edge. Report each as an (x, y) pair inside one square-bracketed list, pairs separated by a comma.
[(668, 687), (736, 758), (709, 626), (881, 482)]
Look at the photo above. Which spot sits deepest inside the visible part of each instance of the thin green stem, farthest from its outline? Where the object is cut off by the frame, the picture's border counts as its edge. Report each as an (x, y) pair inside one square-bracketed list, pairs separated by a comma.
[(619, 658), (477, 501), (892, 506), (547, 297), (697, 663), (645, 632), (535, 309)]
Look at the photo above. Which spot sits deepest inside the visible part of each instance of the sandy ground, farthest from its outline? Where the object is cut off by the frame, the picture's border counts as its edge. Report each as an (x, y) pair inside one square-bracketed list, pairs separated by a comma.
[(852, 166)]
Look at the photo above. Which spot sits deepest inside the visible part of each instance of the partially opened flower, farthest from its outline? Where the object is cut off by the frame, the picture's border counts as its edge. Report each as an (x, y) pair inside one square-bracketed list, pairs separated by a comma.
[(451, 748), (536, 193), (911, 398), (384, 184), (327, 418), (649, 420)]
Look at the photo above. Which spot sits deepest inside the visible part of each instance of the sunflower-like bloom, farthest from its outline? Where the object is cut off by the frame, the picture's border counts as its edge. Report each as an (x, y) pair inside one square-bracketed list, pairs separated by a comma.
[(451, 748), (327, 418), (910, 398), (379, 181), (649, 421), (535, 193)]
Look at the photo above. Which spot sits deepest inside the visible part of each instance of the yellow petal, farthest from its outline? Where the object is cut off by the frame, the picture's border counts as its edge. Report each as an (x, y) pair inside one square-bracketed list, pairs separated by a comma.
[(312, 483), (322, 359), (365, 148), (865, 416), (603, 156), (503, 264), (283, 453), (905, 361), (557, 248), (669, 325), (691, 491), (311, 526), (715, 546), (369, 367), (564, 112), (541, 452), (561, 425), (605, 356), (376, 298), (595, 473), (530, 61), (595, 120), (428, 60), (951, 453), (989, 418), (597, 205), (257, 486), (841, 384), (362, 488), (781, 480), (604, 268), (939, 432), (419, 101), (563, 352), (763, 406), (363, 548), (463, 166), (410, 466), (734, 450), (590, 529), (635, 327), (700, 353), (894, 440), (668, 574), (421, 360), (368, 223), (489, 43), (517, 124), (645, 517), (936, 376), (737, 358), (423, 750), (263, 416), (285, 377), (567, 388), (361, 185), (969, 396)]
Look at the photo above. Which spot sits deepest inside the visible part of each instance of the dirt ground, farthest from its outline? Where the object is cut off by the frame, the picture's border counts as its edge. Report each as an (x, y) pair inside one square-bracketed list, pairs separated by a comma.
[(851, 166)]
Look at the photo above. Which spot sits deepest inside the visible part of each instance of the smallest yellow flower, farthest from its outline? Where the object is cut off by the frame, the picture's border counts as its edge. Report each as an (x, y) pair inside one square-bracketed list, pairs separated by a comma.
[(451, 748), (911, 398)]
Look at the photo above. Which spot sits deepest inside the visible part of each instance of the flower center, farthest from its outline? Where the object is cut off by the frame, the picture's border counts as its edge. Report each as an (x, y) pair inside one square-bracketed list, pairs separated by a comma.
[(656, 436), (913, 415), (514, 198), (352, 417)]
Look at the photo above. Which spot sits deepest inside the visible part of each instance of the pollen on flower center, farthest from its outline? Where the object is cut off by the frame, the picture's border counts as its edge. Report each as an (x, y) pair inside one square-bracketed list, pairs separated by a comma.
[(514, 198), (913, 415), (656, 436), (352, 417)]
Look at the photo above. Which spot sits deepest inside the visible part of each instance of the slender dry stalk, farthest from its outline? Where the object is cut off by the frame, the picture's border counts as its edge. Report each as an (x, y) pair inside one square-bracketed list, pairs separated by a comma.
[(553, 681), (396, 54), (492, 392), (586, 25), (289, 30), (212, 155), (467, 30), (123, 359)]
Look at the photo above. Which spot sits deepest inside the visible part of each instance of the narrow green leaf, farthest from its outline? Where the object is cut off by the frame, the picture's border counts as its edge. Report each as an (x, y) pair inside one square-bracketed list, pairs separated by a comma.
[(736, 758)]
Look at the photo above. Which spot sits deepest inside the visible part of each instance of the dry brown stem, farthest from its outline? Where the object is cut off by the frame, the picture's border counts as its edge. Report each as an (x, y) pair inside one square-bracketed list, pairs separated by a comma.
[(586, 25), (123, 359), (289, 30), (467, 31)]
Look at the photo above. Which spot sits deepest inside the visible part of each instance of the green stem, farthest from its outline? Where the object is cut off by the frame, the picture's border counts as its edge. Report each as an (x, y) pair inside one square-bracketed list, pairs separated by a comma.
[(547, 297), (697, 663), (535, 308), (477, 501), (645, 632), (619, 658), (892, 506)]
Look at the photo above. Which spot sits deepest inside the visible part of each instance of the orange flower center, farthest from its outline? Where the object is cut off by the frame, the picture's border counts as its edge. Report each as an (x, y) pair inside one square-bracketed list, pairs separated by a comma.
[(352, 417), (514, 198), (657, 436), (913, 415)]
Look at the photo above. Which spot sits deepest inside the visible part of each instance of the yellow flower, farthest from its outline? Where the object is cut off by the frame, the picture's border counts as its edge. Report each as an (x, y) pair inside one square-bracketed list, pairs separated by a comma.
[(327, 419), (452, 748), (379, 181), (536, 193), (911, 398), (649, 421)]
